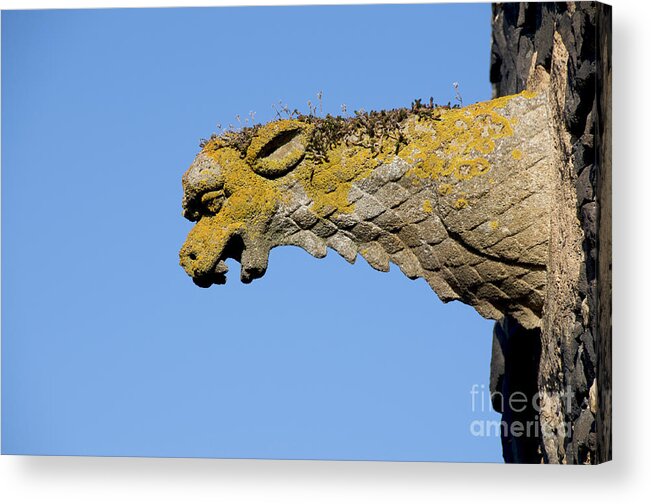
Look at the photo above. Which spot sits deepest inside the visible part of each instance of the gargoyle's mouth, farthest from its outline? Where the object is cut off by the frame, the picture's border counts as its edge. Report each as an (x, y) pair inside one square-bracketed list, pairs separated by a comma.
[(253, 261), (233, 250), (217, 276)]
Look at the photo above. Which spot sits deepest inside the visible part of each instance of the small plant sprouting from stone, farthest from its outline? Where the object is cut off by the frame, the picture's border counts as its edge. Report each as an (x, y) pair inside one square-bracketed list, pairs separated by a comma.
[(311, 107), (283, 111), (457, 95), (365, 129)]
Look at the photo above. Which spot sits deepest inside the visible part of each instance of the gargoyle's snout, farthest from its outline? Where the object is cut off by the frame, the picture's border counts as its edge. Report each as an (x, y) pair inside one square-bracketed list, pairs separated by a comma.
[(203, 185), (199, 260), (191, 263)]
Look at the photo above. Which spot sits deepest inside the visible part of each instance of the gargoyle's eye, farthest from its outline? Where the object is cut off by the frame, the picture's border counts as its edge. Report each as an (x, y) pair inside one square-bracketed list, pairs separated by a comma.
[(278, 147), (212, 201)]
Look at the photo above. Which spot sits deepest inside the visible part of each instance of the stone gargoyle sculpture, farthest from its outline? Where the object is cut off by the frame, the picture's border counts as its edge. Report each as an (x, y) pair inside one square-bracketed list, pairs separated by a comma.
[(461, 197)]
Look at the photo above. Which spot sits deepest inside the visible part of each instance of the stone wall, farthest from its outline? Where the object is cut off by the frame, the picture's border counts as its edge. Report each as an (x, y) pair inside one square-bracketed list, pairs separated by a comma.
[(566, 48)]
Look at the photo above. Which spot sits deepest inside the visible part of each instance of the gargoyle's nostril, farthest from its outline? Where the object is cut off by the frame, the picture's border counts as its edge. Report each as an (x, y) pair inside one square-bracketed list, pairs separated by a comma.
[(192, 256)]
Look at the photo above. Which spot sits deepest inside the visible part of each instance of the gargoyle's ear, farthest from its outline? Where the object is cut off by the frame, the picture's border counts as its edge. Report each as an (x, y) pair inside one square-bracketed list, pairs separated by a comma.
[(278, 147)]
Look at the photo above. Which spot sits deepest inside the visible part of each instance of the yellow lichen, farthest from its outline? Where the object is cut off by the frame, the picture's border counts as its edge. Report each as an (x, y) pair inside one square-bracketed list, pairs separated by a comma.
[(461, 203), (516, 154), (278, 161), (251, 200), (494, 224), (270, 131), (466, 169), (328, 183), (449, 146), (445, 189), (528, 94), (453, 145)]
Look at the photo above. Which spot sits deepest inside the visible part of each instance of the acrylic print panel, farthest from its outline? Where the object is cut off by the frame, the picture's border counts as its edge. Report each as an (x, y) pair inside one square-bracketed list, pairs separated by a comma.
[(111, 347)]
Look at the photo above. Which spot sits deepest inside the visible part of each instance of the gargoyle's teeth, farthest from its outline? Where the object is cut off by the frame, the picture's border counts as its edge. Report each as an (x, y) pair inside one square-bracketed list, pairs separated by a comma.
[(219, 275), (254, 262), (252, 257), (221, 268)]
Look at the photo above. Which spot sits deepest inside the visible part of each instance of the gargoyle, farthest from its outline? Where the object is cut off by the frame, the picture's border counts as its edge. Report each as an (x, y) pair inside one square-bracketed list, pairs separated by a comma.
[(458, 196)]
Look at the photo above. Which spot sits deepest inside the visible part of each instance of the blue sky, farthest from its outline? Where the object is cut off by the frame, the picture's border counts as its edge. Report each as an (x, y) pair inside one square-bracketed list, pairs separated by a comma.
[(108, 348)]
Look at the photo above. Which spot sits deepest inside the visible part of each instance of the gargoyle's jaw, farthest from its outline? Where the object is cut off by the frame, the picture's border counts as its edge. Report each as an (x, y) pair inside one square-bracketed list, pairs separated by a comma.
[(205, 251), (216, 277)]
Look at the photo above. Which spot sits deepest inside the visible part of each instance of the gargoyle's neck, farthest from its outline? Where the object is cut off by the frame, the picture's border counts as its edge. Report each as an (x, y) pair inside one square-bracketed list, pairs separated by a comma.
[(398, 221), (479, 235)]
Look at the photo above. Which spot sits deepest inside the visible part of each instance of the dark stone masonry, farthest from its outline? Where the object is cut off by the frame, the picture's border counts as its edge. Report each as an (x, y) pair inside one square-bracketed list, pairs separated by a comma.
[(532, 41)]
